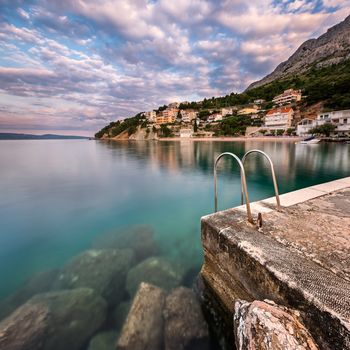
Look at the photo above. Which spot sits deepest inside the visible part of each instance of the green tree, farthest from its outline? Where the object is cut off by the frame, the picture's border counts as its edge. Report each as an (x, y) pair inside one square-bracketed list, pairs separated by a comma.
[(165, 131), (290, 131), (324, 129), (195, 127)]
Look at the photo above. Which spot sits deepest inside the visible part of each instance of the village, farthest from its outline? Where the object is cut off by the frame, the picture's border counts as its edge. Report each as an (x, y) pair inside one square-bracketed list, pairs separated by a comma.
[(283, 116)]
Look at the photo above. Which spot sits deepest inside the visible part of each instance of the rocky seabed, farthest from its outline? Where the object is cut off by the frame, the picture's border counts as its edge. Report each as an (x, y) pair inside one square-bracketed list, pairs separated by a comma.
[(120, 294)]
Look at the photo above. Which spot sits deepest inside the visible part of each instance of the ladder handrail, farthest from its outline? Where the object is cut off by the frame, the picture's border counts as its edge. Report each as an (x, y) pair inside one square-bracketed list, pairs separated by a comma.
[(272, 174), (243, 184)]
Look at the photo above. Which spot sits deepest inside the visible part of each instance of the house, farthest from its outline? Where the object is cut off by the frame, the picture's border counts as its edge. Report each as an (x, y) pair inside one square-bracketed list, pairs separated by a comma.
[(248, 110), (226, 111), (186, 133), (304, 126), (165, 120), (279, 118), (167, 116), (287, 96), (151, 116), (216, 117), (339, 118), (259, 101), (188, 115)]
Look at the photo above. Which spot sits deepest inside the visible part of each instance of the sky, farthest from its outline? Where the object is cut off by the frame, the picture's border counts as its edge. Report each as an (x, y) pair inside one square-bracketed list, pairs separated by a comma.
[(73, 66)]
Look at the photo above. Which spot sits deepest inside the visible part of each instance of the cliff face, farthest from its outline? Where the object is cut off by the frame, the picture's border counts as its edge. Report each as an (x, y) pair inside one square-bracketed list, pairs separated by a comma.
[(330, 48)]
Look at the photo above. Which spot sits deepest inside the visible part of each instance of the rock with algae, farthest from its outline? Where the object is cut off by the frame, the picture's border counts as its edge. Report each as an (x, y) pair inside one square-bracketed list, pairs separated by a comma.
[(155, 270), (54, 321), (185, 327), (103, 270)]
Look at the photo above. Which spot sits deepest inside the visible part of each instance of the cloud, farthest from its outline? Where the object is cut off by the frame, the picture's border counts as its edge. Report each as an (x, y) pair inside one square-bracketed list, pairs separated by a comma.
[(85, 63)]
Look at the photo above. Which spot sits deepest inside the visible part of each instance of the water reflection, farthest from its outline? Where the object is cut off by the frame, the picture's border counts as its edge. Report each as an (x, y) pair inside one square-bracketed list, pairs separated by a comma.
[(295, 164)]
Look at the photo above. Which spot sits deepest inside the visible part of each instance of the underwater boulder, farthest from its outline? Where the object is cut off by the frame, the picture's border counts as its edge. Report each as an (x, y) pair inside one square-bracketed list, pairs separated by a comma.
[(54, 321), (139, 238), (103, 270), (105, 340), (185, 327), (25, 328), (120, 314), (155, 270), (143, 328), (39, 283)]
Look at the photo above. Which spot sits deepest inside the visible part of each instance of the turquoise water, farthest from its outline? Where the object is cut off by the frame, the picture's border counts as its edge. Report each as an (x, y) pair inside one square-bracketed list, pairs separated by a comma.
[(57, 196)]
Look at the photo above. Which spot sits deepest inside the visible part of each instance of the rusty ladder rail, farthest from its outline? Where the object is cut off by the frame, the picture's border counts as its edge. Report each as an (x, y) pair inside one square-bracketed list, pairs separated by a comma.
[(243, 184), (272, 174)]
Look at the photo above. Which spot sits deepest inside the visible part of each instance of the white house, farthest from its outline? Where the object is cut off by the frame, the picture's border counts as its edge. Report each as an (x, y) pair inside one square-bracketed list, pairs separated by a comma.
[(188, 115), (216, 117), (186, 133), (279, 118), (304, 126), (287, 96), (339, 118), (226, 111), (151, 116)]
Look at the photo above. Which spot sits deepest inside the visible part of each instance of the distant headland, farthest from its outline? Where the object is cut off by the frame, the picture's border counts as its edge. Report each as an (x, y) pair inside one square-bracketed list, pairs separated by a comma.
[(15, 136)]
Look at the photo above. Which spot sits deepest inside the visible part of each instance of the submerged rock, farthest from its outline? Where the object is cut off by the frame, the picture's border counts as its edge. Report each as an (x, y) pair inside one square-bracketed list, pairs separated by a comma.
[(54, 321), (103, 341), (102, 270), (139, 238), (185, 327), (120, 314), (143, 328), (156, 270), (25, 328), (264, 325), (38, 283)]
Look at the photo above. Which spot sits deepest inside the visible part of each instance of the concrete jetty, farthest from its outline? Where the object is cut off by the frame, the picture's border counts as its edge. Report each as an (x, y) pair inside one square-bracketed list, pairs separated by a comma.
[(299, 258)]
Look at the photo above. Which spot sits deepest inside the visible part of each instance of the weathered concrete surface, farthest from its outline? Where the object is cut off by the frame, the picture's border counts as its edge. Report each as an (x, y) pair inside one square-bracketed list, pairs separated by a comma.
[(299, 258), (264, 325)]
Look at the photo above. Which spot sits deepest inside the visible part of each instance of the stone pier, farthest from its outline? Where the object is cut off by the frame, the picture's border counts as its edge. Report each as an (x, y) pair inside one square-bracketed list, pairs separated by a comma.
[(299, 258)]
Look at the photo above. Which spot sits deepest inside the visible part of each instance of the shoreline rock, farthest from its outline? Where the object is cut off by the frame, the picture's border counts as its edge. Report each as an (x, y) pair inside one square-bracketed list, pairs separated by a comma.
[(264, 325)]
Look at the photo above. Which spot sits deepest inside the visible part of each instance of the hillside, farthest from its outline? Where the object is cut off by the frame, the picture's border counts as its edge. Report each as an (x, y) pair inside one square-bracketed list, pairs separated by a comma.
[(323, 67), (14, 136), (330, 48)]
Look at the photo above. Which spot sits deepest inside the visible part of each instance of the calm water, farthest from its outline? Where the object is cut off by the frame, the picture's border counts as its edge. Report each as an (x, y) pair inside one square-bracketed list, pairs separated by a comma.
[(57, 196)]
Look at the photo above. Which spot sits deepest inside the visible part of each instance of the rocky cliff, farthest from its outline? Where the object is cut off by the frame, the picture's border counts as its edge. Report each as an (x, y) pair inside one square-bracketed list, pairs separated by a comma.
[(330, 48)]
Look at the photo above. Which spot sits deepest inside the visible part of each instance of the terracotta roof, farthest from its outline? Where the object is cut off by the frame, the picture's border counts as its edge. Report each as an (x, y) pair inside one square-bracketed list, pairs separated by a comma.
[(279, 110)]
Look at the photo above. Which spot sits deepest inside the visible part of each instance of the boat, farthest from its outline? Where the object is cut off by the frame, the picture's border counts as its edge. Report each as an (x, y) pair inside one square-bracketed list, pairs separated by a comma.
[(310, 141)]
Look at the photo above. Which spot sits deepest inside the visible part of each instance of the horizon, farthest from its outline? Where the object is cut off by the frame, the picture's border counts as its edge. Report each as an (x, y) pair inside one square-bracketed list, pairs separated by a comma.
[(73, 67)]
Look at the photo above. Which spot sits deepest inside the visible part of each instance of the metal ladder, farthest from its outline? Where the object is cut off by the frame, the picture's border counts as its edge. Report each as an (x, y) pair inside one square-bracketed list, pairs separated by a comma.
[(244, 189)]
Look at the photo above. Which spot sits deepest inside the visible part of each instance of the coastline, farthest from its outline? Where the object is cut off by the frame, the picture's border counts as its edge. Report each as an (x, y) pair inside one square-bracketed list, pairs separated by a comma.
[(233, 139), (208, 139)]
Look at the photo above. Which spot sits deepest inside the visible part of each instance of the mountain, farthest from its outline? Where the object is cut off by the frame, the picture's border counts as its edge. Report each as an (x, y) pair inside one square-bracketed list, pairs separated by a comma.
[(13, 136), (333, 47)]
